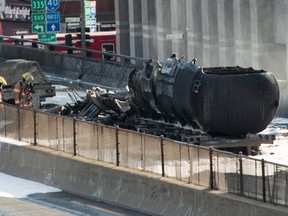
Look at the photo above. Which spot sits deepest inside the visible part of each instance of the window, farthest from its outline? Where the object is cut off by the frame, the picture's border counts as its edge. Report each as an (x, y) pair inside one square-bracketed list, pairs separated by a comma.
[(109, 48)]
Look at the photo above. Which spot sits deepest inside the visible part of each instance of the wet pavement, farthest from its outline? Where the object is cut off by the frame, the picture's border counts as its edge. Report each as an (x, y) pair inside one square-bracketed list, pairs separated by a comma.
[(59, 203)]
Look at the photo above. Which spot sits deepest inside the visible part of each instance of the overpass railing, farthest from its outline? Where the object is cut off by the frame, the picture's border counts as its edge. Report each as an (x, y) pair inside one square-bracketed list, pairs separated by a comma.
[(207, 167), (70, 49)]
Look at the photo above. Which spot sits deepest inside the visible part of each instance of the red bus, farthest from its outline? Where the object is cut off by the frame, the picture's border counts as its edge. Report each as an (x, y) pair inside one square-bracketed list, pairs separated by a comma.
[(99, 41)]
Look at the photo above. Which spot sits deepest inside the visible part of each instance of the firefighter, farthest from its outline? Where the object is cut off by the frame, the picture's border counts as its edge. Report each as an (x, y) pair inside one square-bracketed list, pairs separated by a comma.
[(2, 83), (23, 91)]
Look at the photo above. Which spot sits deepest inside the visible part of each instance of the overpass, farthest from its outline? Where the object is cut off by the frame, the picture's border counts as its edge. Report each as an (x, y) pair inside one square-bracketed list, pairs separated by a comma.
[(158, 195)]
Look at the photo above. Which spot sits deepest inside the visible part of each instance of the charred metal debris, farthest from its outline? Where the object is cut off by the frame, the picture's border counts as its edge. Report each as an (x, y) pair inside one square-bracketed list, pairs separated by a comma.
[(216, 106)]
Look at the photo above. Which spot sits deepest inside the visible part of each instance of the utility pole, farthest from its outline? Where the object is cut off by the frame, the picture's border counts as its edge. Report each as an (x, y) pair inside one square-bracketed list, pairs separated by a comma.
[(82, 19)]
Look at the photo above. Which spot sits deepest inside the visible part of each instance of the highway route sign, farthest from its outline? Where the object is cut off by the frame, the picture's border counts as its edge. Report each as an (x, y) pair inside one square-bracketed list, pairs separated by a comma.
[(73, 25), (21, 32), (53, 16), (52, 5), (2, 5), (38, 17), (38, 5), (47, 38), (38, 27), (53, 27), (72, 19)]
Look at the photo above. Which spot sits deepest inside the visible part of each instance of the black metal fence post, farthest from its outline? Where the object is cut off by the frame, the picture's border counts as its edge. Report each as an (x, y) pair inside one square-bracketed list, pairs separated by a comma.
[(5, 120), (35, 126), (162, 155), (19, 123), (263, 180), (241, 192), (117, 147), (211, 167), (74, 136)]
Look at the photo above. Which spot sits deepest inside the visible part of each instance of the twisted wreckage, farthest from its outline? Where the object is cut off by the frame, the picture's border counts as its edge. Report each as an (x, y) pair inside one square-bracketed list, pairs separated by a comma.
[(217, 101)]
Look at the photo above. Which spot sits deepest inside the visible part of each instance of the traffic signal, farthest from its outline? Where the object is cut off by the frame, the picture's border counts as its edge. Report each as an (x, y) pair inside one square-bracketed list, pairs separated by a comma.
[(87, 40)]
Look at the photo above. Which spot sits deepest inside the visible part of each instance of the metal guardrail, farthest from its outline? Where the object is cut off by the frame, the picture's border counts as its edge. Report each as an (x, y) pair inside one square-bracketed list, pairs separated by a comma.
[(207, 167), (87, 52)]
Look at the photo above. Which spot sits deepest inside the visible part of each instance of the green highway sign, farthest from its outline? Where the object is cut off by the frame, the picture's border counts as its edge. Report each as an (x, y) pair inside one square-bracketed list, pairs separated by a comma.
[(47, 38), (87, 9), (38, 17), (38, 5), (38, 27)]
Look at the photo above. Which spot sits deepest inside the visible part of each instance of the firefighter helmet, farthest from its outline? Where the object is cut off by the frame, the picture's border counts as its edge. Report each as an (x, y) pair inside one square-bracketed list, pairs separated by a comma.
[(28, 76), (2, 81)]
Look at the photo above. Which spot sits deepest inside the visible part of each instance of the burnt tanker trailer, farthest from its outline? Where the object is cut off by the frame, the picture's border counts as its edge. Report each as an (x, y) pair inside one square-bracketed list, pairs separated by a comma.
[(230, 101)]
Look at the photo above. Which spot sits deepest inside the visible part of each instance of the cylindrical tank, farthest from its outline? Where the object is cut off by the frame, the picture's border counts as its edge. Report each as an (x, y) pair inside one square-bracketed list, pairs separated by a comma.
[(231, 101)]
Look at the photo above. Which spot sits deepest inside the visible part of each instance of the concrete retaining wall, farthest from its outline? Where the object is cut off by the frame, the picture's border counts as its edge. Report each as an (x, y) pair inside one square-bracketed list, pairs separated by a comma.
[(135, 190), (100, 72)]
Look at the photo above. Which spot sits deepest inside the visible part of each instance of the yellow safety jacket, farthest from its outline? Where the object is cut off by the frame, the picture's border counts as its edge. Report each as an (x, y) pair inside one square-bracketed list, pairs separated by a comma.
[(23, 94)]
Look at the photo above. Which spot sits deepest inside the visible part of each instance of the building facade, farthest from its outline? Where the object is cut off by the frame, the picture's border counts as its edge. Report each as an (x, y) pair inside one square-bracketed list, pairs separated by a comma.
[(216, 32), (16, 17)]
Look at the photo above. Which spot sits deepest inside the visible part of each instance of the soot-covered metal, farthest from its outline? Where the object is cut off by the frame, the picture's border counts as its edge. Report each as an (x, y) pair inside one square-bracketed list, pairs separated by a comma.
[(217, 101), (231, 101)]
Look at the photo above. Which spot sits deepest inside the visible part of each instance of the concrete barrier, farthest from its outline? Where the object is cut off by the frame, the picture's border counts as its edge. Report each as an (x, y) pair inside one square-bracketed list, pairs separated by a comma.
[(98, 71), (139, 191)]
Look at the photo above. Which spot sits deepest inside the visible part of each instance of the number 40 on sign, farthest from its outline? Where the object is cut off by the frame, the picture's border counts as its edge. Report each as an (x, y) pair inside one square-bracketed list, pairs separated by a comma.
[(52, 5)]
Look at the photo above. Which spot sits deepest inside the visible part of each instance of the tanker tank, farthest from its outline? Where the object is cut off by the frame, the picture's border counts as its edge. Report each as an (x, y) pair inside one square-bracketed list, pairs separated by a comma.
[(230, 101)]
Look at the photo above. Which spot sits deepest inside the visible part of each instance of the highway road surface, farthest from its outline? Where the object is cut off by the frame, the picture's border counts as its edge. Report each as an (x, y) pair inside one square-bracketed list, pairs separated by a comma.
[(28, 198), (59, 203)]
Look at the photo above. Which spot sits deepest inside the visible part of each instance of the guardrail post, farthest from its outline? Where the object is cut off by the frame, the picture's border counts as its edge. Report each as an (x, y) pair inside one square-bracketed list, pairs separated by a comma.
[(88, 54), (22, 37), (263, 180), (74, 136), (35, 127), (211, 167), (17, 42), (117, 147), (34, 45), (162, 156)]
